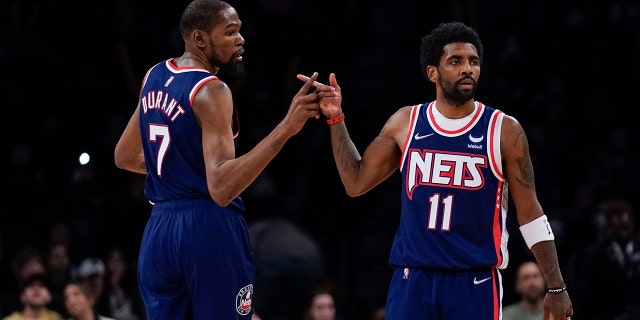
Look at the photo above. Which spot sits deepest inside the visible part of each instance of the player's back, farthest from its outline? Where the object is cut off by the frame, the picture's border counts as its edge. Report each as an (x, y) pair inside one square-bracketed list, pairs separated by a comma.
[(171, 135)]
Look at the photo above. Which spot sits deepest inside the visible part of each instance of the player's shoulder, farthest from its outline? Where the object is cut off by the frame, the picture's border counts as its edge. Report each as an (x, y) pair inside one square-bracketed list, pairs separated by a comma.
[(507, 118), (213, 90), (401, 114), (216, 85), (408, 109)]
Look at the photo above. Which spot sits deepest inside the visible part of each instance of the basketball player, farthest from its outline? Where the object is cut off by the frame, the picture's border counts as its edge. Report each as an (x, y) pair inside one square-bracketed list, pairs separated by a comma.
[(458, 158), (195, 257)]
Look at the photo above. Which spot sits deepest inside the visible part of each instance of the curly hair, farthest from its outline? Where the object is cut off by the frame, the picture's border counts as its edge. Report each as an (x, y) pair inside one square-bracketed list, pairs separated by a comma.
[(201, 15), (432, 45)]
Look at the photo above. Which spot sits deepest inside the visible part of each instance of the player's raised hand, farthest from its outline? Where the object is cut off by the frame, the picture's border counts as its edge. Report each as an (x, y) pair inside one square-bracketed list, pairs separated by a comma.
[(330, 98), (304, 105)]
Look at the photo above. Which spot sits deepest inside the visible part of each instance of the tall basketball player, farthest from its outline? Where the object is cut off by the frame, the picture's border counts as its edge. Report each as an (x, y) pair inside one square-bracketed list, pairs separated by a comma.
[(459, 159)]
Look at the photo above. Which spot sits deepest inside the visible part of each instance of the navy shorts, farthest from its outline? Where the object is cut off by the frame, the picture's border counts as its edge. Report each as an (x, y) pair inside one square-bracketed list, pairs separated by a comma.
[(426, 294), (196, 262)]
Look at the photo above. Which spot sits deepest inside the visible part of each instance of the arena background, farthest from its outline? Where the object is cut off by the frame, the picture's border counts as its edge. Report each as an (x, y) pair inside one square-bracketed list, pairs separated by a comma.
[(568, 70)]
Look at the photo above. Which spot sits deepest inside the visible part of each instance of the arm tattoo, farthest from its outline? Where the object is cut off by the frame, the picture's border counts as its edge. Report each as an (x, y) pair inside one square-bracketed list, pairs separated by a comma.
[(346, 151), (524, 162), (277, 145)]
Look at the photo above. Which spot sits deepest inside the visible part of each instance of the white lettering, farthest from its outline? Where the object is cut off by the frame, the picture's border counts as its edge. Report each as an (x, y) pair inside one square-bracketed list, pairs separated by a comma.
[(160, 100), (437, 168)]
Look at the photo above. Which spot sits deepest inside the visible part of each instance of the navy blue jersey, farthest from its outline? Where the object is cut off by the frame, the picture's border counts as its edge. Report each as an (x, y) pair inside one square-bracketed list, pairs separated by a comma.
[(454, 196), (171, 135)]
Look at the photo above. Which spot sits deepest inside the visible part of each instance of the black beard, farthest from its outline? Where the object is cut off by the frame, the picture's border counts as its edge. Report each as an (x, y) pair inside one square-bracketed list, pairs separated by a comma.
[(232, 69), (454, 96)]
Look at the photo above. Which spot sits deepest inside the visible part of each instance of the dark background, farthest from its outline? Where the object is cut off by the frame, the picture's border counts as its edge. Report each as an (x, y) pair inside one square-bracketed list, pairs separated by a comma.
[(567, 70)]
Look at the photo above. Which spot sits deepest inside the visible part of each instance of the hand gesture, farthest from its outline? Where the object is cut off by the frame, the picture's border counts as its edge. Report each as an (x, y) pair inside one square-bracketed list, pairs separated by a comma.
[(330, 97), (303, 106)]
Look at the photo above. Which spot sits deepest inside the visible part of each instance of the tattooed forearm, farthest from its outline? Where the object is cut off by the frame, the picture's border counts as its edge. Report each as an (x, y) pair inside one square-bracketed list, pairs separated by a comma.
[(277, 145), (346, 156), (526, 178), (347, 152)]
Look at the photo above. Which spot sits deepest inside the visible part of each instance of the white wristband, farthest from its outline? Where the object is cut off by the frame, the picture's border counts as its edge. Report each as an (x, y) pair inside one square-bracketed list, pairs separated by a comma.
[(536, 231)]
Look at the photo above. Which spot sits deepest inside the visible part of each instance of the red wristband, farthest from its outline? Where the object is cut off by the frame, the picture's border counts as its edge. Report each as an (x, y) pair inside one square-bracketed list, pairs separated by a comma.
[(336, 119)]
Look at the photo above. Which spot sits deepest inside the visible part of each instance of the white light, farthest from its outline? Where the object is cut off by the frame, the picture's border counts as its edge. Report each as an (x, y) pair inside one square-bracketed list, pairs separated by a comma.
[(84, 158)]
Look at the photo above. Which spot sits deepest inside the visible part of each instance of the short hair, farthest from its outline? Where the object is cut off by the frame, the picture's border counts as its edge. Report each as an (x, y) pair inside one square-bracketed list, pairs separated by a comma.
[(201, 15), (83, 286), (25, 255), (32, 279), (432, 45)]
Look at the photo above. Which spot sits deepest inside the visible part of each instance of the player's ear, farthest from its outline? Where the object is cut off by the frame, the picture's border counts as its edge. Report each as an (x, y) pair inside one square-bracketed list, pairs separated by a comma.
[(432, 74), (198, 37)]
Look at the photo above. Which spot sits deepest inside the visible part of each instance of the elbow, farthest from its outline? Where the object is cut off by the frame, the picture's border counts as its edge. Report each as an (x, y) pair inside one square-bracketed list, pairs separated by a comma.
[(124, 162), (353, 191), (130, 164), (221, 196), (354, 194), (120, 162), (123, 159), (220, 201)]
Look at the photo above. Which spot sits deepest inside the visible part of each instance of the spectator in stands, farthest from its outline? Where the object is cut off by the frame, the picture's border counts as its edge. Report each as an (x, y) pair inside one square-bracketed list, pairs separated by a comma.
[(530, 285), (35, 299), (80, 302), (92, 272), (27, 262), (608, 273), (59, 272), (323, 304), (121, 298)]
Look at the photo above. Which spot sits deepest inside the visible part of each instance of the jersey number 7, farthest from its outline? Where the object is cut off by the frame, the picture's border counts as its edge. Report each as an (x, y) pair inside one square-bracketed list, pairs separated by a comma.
[(161, 132)]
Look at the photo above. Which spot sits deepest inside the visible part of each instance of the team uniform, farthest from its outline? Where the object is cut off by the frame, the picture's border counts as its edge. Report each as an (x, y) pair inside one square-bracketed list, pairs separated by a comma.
[(452, 237), (196, 260)]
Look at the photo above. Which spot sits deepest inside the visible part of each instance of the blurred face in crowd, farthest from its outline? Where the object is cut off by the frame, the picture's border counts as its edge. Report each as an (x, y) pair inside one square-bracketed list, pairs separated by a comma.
[(530, 282), (36, 295), (116, 266), (59, 259), (322, 307), (621, 224), (77, 300), (32, 265)]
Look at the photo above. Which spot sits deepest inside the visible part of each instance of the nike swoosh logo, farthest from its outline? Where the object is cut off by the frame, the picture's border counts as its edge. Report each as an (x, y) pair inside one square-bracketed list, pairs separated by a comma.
[(474, 139), (476, 282), (419, 137)]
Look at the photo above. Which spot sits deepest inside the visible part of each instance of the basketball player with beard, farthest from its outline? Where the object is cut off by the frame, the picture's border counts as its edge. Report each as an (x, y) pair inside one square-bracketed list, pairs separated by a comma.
[(195, 258), (459, 160)]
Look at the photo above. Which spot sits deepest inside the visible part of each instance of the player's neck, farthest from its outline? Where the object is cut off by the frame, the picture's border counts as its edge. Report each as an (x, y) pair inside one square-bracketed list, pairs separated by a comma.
[(455, 111), (190, 59)]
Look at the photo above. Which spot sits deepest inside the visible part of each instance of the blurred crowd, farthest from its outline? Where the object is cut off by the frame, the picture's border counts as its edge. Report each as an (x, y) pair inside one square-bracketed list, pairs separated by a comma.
[(565, 69)]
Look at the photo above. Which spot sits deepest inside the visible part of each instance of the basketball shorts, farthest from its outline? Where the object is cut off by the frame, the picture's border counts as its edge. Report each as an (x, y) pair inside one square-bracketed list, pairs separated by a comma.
[(427, 294), (196, 262)]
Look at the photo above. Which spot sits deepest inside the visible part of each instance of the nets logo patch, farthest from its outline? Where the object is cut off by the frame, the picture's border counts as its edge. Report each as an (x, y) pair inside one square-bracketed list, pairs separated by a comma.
[(243, 300), (406, 273)]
